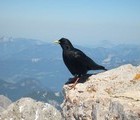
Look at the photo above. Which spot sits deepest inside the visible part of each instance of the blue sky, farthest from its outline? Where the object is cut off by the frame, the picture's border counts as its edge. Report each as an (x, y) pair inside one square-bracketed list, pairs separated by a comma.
[(82, 21)]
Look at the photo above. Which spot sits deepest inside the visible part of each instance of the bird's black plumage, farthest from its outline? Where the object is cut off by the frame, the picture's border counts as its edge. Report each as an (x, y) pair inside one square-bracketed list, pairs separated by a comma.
[(76, 61)]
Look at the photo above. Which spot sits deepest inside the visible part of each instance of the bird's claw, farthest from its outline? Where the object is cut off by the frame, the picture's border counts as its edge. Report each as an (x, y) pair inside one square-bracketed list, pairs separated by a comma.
[(72, 86)]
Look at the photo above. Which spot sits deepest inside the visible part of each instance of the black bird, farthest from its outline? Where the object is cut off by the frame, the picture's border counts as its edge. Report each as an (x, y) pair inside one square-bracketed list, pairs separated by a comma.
[(76, 61)]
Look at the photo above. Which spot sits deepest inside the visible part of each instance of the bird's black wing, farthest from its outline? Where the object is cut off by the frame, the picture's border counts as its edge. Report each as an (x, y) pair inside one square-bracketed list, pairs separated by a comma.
[(77, 61), (90, 64), (84, 59)]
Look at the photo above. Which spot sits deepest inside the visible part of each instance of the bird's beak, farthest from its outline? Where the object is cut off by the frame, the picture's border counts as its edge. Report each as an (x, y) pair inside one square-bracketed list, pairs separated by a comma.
[(57, 42)]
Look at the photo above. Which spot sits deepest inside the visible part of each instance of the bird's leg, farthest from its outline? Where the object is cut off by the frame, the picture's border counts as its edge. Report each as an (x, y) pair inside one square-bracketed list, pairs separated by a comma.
[(73, 86)]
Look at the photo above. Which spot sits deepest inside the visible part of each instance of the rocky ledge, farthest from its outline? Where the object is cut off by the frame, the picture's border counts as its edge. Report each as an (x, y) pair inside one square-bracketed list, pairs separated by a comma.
[(29, 109), (4, 102), (110, 95)]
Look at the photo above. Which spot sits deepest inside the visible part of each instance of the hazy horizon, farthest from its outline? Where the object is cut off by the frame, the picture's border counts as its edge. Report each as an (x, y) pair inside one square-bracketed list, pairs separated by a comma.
[(83, 22)]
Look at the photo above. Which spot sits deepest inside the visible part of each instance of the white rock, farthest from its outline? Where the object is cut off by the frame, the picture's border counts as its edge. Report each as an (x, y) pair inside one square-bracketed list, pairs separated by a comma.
[(4, 102), (110, 95), (29, 109)]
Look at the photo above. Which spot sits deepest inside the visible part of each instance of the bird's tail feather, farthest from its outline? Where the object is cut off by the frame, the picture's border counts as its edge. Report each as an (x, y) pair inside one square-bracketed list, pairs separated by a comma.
[(102, 68), (99, 67)]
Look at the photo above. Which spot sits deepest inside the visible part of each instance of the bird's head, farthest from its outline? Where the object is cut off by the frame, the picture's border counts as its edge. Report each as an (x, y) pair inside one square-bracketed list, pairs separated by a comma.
[(65, 43)]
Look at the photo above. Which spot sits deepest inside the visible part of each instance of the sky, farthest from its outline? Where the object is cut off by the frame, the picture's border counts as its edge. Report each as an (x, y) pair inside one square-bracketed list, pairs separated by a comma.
[(84, 22)]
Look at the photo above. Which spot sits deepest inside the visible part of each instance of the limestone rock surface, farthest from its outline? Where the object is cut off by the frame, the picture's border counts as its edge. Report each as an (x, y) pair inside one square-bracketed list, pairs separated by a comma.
[(4, 102), (29, 109), (110, 95)]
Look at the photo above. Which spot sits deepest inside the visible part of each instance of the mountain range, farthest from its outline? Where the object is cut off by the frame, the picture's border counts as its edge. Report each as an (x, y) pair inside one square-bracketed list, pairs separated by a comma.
[(34, 68)]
